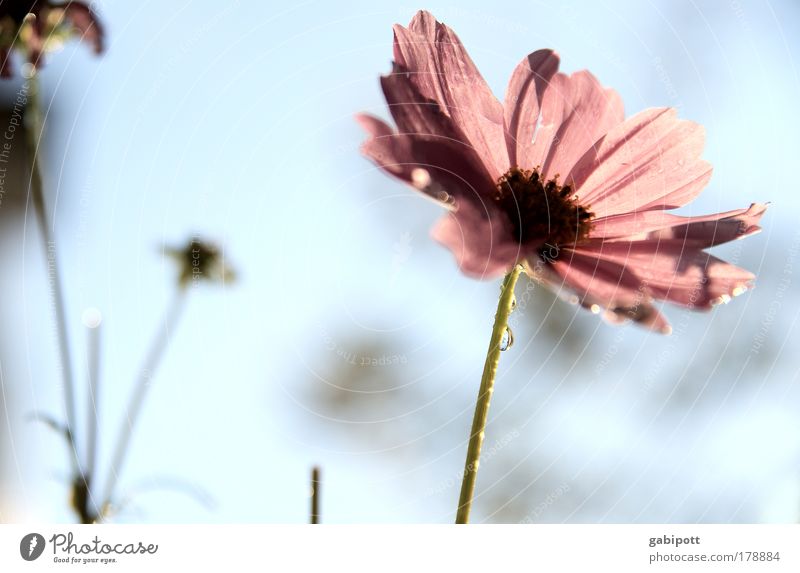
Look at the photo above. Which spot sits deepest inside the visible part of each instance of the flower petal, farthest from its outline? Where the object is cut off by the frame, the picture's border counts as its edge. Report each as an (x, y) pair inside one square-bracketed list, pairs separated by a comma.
[(480, 238), (523, 102), (701, 232), (597, 281), (651, 161), (611, 307), (667, 270), (388, 151), (554, 118), (443, 169), (432, 141), (554, 108), (710, 230), (590, 112), (441, 69), (414, 112)]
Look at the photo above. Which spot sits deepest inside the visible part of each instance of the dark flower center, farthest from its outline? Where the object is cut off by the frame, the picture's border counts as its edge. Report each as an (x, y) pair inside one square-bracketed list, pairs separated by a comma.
[(542, 213)]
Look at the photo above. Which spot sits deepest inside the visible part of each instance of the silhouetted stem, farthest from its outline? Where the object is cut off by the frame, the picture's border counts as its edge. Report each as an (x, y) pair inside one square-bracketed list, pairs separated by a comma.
[(146, 374), (34, 129), (504, 307), (315, 485)]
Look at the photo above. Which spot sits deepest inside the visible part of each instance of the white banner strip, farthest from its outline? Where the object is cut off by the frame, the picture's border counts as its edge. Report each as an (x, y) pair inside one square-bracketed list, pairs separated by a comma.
[(390, 548)]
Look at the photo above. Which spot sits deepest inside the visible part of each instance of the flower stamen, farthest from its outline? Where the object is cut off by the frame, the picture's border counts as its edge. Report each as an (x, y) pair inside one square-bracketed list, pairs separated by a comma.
[(541, 212)]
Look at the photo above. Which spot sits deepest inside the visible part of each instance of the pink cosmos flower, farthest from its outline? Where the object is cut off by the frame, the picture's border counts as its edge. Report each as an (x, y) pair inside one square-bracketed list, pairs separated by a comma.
[(555, 178), (35, 27)]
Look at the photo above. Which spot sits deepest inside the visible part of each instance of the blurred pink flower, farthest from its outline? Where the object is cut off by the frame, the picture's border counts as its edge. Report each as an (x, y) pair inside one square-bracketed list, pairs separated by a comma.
[(34, 27), (555, 178)]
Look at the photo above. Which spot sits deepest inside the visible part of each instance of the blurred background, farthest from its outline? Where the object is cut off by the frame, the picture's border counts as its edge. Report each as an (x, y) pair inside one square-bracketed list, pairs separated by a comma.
[(350, 340)]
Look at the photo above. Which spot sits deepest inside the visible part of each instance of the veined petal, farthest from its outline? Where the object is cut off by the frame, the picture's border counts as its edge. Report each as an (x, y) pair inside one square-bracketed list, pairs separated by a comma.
[(598, 281), (388, 151), (701, 232), (523, 103), (553, 109), (443, 72), (433, 141), (441, 168), (615, 301), (669, 270), (651, 161), (413, 112), (709, 230), (590, 112), (480, 238)]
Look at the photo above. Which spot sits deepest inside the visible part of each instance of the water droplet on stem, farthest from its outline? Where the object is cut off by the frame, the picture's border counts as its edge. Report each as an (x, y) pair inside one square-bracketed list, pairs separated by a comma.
[(508, 339)]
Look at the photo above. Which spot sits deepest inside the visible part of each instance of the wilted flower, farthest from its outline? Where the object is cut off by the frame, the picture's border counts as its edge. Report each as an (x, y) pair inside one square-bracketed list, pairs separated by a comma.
[(34, 28), (200, 261), (556, 179)]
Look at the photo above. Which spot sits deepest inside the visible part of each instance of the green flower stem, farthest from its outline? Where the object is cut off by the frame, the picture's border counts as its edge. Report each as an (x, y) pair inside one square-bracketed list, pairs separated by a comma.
[(34, 129), (504, 307)]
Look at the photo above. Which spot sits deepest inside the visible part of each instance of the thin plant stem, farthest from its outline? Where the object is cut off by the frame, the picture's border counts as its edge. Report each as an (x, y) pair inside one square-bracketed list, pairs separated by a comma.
[(504, 307), (142, 384), (83, 501), (315, 486), (91, 508), (93, 362), (34, 130)]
